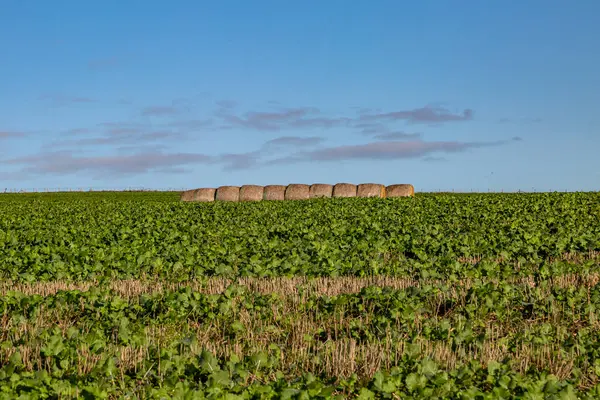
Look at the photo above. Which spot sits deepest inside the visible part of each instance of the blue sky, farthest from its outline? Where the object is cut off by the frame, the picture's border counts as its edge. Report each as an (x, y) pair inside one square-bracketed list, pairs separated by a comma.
[(446, 95)]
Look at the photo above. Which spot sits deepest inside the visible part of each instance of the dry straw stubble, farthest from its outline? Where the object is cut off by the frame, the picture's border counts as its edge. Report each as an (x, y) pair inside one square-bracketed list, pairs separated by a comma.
[(404, 190), (297, 191), (344, 190), (274, 192), (251, 193), (370, 190), (228, 193), (318, 190)]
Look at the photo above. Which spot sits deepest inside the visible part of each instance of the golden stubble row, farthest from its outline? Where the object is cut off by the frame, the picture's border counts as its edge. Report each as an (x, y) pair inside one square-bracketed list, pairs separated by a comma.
[(312, 343), (283, 286)]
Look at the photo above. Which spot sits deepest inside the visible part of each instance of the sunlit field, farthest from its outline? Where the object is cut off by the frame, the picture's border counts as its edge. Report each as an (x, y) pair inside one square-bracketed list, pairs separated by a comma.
[(447, 296)]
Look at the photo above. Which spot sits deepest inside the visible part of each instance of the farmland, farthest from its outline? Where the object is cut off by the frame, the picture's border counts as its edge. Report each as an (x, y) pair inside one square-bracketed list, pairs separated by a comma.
[(138, 295)]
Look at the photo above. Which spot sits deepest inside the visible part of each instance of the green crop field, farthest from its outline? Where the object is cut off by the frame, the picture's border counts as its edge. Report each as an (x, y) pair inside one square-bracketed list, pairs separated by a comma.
[(441, 296)]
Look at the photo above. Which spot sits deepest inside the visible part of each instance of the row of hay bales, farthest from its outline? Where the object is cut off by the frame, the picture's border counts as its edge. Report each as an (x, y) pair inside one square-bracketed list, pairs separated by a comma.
[(296, 192)]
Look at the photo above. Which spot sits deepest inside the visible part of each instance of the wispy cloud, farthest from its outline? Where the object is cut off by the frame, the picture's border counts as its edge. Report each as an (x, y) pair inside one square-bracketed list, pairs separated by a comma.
[(67, 162), (192, 124), (524, 120), (101, 63), (294, 141), (398, 135), (143, 148), (140, 146), (138, 138), (262, 120), (173, 170), (434, 159), (370, 128), (365, 110), (535, 120), (136, 132), (77, 131), (123, 131), (119, 124), (11, 134), (252, 159), (368, 122), (389, 150), (116, 134), (159, 111), (227, 104), (8, 136), (381, 131), (57, 100), (12, 176), (301, 117), (239, 161), (427, 114)]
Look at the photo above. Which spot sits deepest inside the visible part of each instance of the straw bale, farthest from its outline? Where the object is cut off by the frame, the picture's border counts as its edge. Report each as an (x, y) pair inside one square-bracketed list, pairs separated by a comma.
[(274, 192), (344, 190), (228, 193), (251, 193), (188, 195), (320, 190), (404, 190), (297, 191), (370, 190), (205, 194)]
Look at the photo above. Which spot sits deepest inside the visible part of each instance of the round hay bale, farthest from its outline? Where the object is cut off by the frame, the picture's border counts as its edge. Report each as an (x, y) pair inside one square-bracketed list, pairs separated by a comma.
[(205, 194), (274, 192), (228, 193), (297, 191), (251, 193), (344, 190), (370, 190), (404, 190), (188, 195), (320, 190)]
